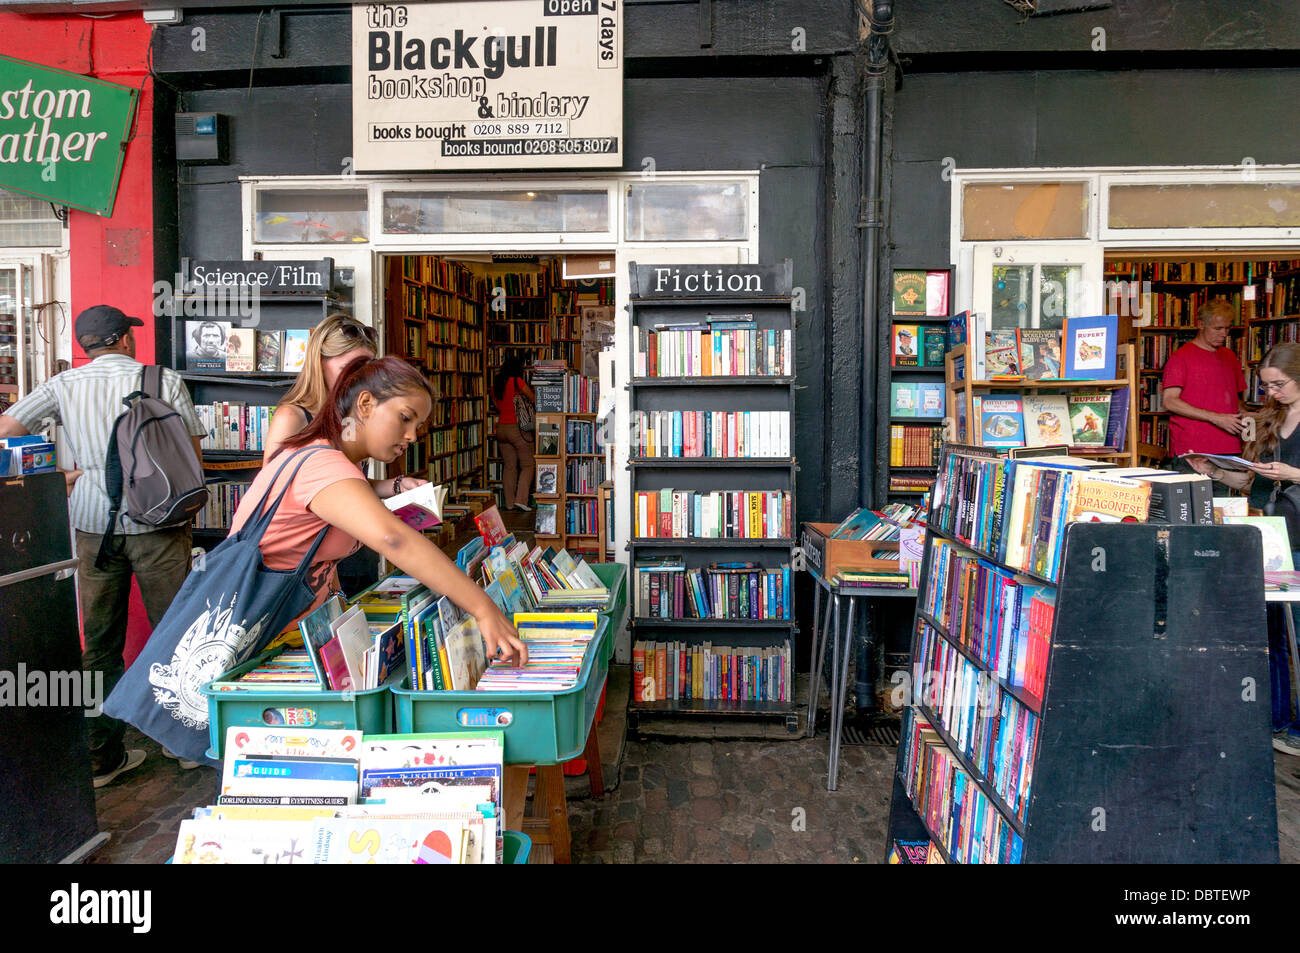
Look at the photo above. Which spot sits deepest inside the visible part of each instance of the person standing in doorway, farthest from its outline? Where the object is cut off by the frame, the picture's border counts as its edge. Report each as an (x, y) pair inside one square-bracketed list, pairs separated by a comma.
[(516, 448), (1202, 385), (87, 401)]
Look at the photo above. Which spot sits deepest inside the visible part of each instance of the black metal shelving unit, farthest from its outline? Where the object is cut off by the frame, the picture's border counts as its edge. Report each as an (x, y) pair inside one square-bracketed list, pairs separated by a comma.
[(706, 474)]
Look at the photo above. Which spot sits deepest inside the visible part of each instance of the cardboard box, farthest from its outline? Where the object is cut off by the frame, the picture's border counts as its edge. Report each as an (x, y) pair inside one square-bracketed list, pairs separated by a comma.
[(826, 556)]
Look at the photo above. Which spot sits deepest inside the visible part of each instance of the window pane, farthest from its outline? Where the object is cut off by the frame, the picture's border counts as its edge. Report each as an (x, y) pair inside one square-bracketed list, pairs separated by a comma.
[(331, 216), (1004, 211), (419, 213), (1059, 294), (1209, 205), (27, 221), (1012, 296), (680, 212)]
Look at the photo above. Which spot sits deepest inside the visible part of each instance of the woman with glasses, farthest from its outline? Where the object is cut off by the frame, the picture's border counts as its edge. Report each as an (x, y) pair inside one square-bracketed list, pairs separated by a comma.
[(333, 344), (1273, 443)]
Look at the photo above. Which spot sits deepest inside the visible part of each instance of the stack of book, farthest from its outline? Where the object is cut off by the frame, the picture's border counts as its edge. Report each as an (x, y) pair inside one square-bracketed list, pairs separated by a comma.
[(288, 671), (666, 589), (675, 671), (548, 386), (719, 514), (557, 644)]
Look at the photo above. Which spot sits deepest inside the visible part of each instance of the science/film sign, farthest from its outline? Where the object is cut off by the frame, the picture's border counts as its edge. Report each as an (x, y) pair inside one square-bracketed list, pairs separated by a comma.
[(62, 134), (506, 84)]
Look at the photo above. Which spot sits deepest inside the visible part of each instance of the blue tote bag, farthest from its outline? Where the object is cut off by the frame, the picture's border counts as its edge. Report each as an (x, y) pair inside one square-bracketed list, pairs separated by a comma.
[(229, 608)]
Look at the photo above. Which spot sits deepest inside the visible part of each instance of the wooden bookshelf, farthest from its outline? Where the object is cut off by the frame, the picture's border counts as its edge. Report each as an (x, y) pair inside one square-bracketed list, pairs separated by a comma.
[(577, 503)]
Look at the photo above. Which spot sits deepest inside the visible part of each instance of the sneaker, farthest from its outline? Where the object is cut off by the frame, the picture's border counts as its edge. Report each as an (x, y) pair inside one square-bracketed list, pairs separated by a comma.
[(131, 760), (523, 507), (1286, 743), (185, 763)]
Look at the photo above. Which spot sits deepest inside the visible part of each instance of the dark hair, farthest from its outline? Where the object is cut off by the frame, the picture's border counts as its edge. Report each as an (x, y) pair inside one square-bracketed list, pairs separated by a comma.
[(197, 333), (383, 377), (512, 366)]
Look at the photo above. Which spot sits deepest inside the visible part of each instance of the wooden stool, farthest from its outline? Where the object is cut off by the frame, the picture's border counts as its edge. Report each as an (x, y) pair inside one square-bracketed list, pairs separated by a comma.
[(549, 822)]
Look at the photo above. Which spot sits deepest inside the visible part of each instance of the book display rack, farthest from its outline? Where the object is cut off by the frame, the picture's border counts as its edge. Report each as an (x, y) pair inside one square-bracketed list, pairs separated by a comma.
[(570, 471), (711, 437), (1027, 730)]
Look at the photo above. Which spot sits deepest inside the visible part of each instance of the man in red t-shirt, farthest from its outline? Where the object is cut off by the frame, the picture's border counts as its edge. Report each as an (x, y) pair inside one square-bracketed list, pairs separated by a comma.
[(1202, 387)]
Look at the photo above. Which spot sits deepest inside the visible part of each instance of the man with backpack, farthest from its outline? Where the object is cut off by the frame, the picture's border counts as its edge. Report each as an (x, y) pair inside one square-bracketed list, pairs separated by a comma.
[(88, 401)]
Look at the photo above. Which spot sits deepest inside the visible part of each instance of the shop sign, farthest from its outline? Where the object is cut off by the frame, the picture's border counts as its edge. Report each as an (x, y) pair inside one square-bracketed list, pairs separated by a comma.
[(62, 135), (267, 277), (488, 85), (703, 281)]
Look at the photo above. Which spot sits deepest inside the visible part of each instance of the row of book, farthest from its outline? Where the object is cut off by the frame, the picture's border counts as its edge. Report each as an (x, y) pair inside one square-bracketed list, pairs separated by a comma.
[(917, 345), (1265, 336), (582, 517), (715, 514), (673, 671), (716, 347), (233, 425), (1245, 272), (910, 482), (666, 589), (1151, 400), (333, 796), (960, 816), (913, 446), (1154, 430), (997, 734), (711, 433), (520, 283), (1166, 309), (522, 332), (443, 274), (580, 436), (1154, 350), (584, 476), (1001, 618), (220, 346), (224, 497), (559, 392), (1049, 420), (910, 399)]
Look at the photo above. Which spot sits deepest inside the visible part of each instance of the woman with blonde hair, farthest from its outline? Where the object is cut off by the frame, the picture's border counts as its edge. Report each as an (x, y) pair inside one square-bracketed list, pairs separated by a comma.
[(1275, 450), (333, 345)]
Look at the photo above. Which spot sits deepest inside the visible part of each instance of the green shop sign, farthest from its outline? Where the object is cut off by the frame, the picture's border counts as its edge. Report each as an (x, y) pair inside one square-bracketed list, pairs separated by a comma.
[(62, 135)]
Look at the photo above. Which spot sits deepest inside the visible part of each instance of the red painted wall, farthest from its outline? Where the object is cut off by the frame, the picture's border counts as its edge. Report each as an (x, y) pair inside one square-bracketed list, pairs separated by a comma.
[(112, 257)]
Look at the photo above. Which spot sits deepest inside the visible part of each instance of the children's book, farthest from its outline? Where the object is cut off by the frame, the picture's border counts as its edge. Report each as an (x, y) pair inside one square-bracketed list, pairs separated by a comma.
[(1001, 354), (905, 346), (1102, 498), (353, 633), (336, 666), (1047, 420), (420, 508), (1277, 544), (931, 400), (295, 349), (1040, 353), (1088, 416), (315, 630), (936, 294), (1090, 345), (909, 292), (856, 524), (903, 399), (1002, 422), (466, 654), (490, 526), (934, 344)]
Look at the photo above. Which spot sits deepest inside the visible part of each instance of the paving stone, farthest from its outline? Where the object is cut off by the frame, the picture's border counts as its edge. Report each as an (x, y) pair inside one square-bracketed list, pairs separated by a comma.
[(705, 787), (632, 772), (653, 846), (762, 839), (679, 794), (654, 825), (627, 811), (656, 800), (708, 810), (624, 853)]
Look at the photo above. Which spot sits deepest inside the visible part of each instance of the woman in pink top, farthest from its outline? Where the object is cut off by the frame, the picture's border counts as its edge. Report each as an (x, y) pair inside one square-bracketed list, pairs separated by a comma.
[(373, 411), (516, 447)]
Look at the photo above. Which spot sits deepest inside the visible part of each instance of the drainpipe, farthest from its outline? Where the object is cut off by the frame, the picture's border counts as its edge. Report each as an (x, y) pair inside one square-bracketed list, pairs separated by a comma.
[(870, 222)]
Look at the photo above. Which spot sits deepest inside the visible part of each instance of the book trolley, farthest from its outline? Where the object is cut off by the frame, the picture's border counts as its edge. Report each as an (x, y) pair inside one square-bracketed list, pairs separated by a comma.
[(668, 389), (1150, 742)]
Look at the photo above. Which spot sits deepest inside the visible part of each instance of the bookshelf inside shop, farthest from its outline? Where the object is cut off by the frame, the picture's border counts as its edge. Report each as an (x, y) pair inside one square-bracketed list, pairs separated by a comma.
[(1162, 295), (1031, 739), (235, 395), (1116, 438), (712, 499), (567, 483), (918, 341)]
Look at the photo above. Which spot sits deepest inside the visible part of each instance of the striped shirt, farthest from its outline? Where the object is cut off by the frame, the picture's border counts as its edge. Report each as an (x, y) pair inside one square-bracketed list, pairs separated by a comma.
[(86, 401)]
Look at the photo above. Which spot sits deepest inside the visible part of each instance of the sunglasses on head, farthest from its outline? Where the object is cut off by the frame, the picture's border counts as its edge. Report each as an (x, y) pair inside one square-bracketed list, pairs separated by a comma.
[(358, 332)]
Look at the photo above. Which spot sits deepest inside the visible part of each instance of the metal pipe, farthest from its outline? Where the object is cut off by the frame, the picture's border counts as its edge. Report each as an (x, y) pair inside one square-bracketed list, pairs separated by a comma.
[(880, 17)]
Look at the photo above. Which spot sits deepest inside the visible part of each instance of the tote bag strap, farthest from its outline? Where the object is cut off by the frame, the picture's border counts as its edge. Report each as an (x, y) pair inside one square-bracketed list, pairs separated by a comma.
[(261, 519)]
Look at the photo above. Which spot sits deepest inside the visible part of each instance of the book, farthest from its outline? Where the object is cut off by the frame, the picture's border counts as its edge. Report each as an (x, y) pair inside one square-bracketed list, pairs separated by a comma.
[(1102, 498), (545, 523), (1047, 420), (1001, 354), (490, 526), (335, 665), (241, 351), (1002, 422), (548, 438), (1040, 353), (420, 508), (936, 294), (315, 630), (903, 399), (931, 401), (909, 292), (905, 346), (1223, 461), (294, 349), (1117, 423), (1088, 416), (547, 478), (352, 630), (270, 344), (934, 344), (1273, 537), (1090, 345)]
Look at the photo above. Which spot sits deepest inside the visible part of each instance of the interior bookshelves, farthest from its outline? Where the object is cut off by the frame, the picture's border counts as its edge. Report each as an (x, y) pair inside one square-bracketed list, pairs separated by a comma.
[(907, 464), (718, 393), (1161, 294), (578, 478), (435, 321), (276, 312), (961, 391), (1140, 747)]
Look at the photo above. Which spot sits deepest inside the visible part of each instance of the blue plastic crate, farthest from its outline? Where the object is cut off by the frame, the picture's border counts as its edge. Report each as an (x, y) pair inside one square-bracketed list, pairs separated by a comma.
[(539, 727), (370, 711)]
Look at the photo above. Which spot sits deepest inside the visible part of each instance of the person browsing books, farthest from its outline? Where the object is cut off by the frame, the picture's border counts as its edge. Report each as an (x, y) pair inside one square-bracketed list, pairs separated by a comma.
[(333, 344), (517, 461), (373, 411), (1276, 452), (1202, 384), (86, 401)]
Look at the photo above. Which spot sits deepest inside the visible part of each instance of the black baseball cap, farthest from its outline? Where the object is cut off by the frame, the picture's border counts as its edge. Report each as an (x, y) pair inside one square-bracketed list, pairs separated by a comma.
[(102, 324)]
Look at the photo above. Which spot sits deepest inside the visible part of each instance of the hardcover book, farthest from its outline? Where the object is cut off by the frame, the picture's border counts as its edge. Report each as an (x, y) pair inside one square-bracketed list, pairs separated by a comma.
[(1002, 422), (1088, 416), (903, 400), (545, 525), (295, 349), (1090, 347), (909, 292), (1102, 498), (270, 344), (1047, 420), (936, 294), (931, 400), (1001, 354), (241, 351), (905, 346), (1040, 353), (934, 343)]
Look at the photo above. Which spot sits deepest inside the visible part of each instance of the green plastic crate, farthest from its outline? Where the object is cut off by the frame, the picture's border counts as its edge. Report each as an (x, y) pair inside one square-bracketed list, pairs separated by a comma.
[(540, 727), (614, 576), (370, 711), (518, 846)]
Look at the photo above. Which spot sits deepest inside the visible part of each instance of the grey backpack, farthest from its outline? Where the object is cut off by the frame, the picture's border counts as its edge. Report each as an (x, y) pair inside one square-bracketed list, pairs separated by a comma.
[(150, 473)]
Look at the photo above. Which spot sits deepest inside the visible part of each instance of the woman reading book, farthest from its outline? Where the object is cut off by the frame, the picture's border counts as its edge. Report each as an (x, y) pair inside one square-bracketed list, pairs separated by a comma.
[(333, 344), (373, 411), (1276, 452)]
